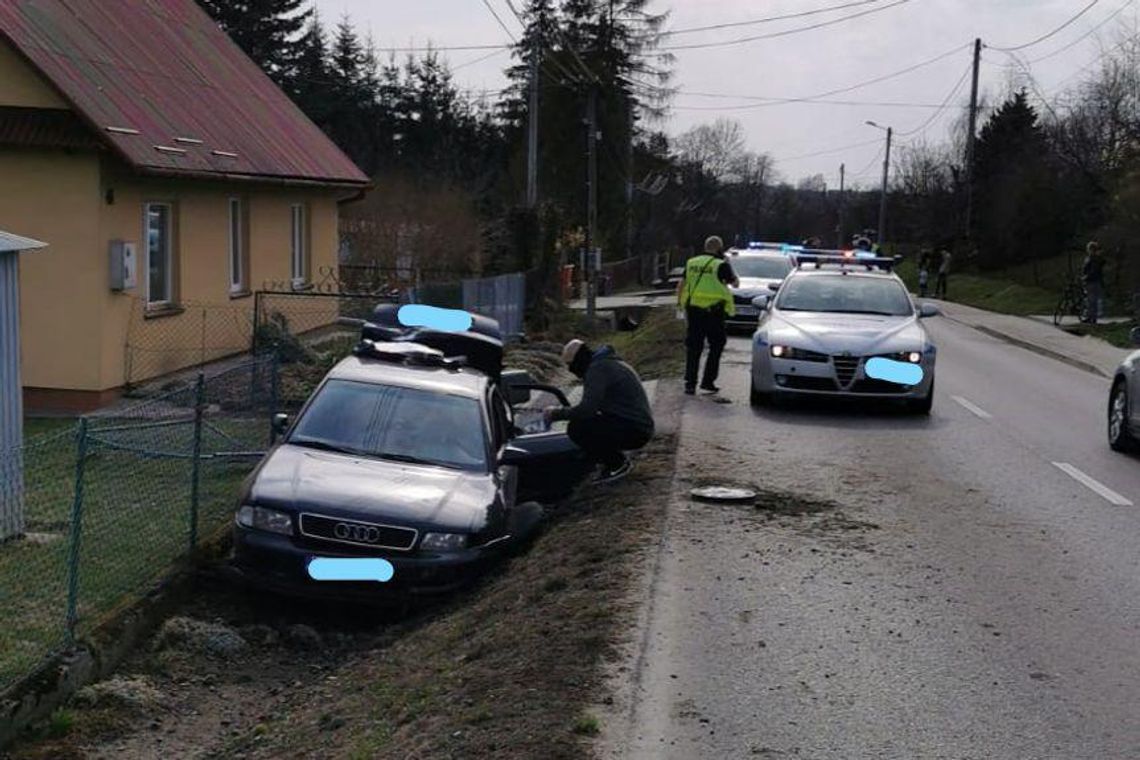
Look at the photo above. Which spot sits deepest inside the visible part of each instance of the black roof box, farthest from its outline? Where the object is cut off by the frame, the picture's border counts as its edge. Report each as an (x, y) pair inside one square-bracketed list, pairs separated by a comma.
[(482, 345)]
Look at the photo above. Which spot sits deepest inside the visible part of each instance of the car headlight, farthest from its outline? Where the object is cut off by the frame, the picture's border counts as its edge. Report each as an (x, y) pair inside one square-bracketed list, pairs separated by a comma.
[(910, 357), (444, 542), (269, 520), (797, 354)]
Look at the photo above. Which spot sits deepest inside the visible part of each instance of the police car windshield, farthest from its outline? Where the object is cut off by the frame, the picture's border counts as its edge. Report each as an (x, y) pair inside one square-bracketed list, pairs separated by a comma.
[(845, 294), (398, 424), (766, 267)]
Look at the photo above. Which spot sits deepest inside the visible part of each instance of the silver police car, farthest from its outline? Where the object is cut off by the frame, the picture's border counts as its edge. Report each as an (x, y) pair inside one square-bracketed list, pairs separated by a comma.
[(842, 325), (1123, 407), (757, 272)]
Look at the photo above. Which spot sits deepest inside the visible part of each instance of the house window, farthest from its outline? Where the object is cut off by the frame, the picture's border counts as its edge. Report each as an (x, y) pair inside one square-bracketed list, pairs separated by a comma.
[(300, 245), (159, 254), (239, 276)]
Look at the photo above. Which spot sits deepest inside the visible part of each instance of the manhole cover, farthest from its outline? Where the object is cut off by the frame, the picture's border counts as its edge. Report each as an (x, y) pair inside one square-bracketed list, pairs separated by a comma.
[(722, 494)]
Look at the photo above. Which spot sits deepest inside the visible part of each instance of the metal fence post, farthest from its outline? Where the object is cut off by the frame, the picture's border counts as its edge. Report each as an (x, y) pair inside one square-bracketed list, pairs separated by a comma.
[(274, 382), (76, 532), (196, 462)]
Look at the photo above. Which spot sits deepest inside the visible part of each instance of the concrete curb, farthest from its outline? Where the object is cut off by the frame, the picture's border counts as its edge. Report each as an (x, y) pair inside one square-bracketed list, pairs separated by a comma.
[(1028, 346)]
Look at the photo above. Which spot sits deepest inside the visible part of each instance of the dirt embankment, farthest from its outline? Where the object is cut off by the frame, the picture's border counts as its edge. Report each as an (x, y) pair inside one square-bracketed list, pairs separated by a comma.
[(508, 668)]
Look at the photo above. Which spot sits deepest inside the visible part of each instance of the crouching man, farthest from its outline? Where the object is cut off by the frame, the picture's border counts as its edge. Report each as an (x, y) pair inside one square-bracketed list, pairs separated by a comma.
[(614, 415)]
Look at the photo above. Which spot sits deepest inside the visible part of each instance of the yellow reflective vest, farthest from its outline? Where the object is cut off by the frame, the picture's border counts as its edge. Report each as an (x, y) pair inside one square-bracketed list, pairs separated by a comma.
[(702, 287)]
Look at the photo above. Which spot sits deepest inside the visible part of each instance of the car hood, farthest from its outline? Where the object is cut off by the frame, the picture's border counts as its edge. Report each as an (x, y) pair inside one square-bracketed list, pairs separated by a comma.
[(750, 287), (857, 334), (340, 485)]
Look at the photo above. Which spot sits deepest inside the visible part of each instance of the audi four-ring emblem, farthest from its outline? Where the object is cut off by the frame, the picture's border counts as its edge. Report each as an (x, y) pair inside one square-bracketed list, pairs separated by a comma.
[(364, 534)]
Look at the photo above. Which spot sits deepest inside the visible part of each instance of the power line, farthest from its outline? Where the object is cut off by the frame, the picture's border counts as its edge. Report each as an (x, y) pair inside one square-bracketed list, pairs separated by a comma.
[(860, 85), (480, 59), (766, 20), (506, 28), (786, 32), (1044, 37), (441, 48), (806, 101), (1084, 36), (945, 103), (829, 151)]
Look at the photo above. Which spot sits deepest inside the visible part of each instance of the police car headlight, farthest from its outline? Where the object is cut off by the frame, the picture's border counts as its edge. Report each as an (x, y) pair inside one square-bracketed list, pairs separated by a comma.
[(797, 354), (910, 357), (444, 542), (268, 520)]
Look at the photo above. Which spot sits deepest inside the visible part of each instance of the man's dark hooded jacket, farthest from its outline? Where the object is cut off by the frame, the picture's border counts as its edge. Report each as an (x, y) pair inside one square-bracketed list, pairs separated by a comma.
[(612, 388)]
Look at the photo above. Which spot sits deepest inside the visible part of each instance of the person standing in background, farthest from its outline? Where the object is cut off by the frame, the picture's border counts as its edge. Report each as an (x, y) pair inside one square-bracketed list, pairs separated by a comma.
[(1092, 273), (940, 284), (704, 295)]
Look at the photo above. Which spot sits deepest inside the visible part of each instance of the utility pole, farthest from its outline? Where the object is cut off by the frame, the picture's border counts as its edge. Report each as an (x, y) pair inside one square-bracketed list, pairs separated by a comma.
[(532, 136), (842, 203), (883, 194), (629, 182), (970, 139), (591, 199)]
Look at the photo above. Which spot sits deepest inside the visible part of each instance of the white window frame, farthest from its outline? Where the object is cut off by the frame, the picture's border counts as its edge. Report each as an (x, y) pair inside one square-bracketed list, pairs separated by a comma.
[(299, 222), (168, 254), (236, 246)]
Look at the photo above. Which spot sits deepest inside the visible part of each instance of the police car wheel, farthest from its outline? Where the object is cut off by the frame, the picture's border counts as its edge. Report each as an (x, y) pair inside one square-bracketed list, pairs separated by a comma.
[(923, 405), (756, 398)]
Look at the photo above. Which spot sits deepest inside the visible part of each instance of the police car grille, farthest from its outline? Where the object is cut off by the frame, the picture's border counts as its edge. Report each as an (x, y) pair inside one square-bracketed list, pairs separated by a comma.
[(357, 533), (845, 368)]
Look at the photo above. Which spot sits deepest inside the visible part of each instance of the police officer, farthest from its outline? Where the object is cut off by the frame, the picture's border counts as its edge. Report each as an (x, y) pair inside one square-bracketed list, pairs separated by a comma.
[(704, 295)]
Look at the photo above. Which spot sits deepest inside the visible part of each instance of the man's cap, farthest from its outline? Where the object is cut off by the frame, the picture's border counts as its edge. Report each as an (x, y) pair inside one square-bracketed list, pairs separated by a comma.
[(713, 244), (571, 350), (1092, 246)]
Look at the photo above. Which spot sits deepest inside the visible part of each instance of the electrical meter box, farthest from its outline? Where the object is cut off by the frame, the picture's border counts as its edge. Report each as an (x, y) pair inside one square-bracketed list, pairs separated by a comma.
[(124, 265)]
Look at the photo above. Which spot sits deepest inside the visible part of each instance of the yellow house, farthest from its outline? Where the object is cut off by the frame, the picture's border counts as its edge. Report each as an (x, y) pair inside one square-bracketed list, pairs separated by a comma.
[(169, 177)]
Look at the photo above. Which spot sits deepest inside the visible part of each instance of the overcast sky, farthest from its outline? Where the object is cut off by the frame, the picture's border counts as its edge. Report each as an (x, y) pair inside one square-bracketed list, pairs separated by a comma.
[(801, 65)]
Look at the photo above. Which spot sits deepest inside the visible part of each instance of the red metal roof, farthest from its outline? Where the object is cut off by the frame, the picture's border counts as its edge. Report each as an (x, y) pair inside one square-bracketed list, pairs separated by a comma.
[(170, 91)]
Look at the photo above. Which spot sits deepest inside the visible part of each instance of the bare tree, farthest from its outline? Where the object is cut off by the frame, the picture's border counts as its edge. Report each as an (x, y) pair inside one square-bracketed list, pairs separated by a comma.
[(717, 148)]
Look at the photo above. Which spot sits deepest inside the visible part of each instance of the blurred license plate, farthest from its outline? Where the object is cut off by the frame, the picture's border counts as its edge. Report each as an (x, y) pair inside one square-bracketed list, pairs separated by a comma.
[(746, 311)]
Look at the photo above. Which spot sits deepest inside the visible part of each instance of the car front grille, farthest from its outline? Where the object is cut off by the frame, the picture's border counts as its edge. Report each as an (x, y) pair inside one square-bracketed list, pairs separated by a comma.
[(801, 383), (845, 368), (878, 386), (742, 300), (357, 533)]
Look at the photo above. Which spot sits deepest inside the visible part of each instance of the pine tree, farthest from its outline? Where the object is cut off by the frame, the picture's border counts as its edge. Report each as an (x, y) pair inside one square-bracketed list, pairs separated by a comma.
[(266, 30), (312, 75)]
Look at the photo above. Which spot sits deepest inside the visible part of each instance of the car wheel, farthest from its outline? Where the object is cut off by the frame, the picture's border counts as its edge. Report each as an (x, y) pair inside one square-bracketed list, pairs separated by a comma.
[(1119, 436), (757, 398)]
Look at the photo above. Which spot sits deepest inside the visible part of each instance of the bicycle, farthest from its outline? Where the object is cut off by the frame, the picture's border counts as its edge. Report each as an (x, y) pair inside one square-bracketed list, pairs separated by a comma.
[(1072, 302)]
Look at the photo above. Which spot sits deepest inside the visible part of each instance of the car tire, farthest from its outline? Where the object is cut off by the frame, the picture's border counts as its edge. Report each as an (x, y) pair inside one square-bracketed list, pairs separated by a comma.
[(757, 398), (924, 405), (1120, 437)]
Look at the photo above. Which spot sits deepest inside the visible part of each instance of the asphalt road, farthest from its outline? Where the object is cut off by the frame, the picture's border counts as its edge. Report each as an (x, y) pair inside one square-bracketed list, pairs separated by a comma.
[(939, 588)]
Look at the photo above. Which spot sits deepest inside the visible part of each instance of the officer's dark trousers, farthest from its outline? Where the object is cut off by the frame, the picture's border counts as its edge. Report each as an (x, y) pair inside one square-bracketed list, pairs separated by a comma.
[(704, 325), (604, 437)]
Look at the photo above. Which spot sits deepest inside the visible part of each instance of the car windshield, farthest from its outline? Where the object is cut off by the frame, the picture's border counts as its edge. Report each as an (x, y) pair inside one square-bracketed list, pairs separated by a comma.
[(770, 268), (847, 294), (390, 422)]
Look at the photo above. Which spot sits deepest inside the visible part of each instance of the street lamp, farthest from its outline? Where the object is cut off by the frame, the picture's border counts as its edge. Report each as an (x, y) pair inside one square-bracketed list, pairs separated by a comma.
[(886, 173)]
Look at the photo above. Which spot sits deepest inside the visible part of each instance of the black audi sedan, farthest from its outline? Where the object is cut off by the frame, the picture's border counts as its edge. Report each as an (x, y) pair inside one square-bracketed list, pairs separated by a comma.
[(406, 455)]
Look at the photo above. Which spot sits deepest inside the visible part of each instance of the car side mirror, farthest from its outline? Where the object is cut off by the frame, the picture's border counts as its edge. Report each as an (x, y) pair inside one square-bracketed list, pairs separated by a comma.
[(928, 310), (513, 456), (760, 302), (280, 423), (774, 286), (1135, 336), (511, 380)]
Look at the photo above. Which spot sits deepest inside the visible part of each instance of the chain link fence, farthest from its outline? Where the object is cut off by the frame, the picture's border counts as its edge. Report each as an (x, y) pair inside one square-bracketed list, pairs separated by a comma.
[(111, 503)]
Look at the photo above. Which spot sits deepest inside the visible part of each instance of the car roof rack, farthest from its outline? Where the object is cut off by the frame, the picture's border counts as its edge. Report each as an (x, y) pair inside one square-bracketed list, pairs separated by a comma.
[(408, 353), (480, 347), (848, 259)]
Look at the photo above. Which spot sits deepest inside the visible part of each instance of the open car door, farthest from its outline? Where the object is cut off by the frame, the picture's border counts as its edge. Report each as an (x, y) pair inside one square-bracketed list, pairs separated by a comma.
[(551, 465)]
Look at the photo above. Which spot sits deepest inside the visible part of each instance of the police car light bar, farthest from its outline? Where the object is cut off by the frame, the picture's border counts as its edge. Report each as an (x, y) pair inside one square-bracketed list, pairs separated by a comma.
[(859, 258), (783, 247)]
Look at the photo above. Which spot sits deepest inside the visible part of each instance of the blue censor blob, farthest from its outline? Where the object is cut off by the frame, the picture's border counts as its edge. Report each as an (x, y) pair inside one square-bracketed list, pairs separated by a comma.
[(902, 373), (445, 320), (351, 569)]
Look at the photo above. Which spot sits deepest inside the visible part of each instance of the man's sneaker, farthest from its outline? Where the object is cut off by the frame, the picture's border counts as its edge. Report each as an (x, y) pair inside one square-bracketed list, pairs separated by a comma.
[(710, 389), (608, 475), (690, 390)]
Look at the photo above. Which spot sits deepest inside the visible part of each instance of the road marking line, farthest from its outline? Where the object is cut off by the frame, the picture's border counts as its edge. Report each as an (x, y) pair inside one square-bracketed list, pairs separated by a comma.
[(1094, 485), (974, 408)]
